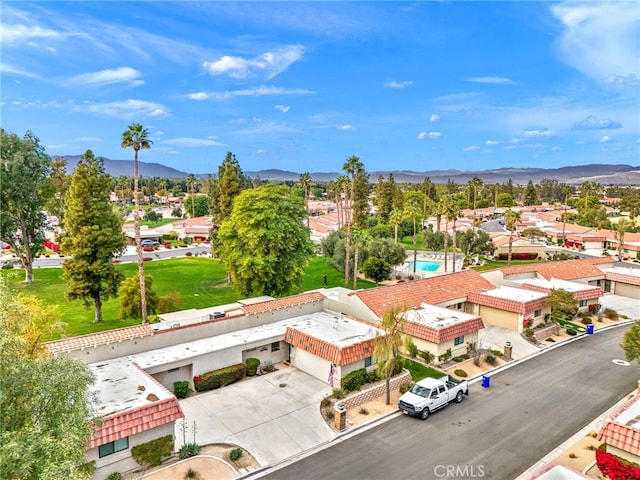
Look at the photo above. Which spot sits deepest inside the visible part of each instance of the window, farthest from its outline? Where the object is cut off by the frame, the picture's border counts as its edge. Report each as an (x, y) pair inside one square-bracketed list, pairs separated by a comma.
[(537, 313), (113, 447), (275, 346), (177, 369), (458, 340), (368, 362), (582, 303)]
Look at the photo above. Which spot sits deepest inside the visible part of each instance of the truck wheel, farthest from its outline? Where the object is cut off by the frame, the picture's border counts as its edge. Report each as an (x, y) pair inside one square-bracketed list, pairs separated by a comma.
[(459, 397), (425, 413)]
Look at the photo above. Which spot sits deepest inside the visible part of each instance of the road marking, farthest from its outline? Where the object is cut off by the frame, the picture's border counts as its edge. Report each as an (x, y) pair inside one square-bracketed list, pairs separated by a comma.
[(622, 363)]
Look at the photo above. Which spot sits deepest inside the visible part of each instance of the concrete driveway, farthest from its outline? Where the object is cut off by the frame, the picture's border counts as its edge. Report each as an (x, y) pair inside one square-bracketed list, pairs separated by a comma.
[(623, 305), (274, 416)]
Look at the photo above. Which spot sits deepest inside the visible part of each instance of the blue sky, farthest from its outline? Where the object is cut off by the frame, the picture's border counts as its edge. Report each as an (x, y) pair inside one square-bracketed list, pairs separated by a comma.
[(302, 86)]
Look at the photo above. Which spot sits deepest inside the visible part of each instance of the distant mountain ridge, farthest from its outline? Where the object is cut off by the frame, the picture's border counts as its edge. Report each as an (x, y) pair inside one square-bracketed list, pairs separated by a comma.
[(600, 173)]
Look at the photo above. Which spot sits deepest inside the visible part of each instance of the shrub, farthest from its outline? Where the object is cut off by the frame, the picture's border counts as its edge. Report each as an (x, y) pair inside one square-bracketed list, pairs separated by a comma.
[(571, 331), (611, 314), (191, 473), (549, 339), (330, 414), (586, 320), (339, 393), (7, 266), (325, 402), (169, 302), (426, 356), (354, 380), (220, 377), (490, 359), (573, 455), (461, 358), (363, 411), (235, 454), (188, 450), (188, 254), (181, 389), (152, 453), (252, 366), (404, 388), (411, 347), (115, 476), (497, 353), (460, 373)]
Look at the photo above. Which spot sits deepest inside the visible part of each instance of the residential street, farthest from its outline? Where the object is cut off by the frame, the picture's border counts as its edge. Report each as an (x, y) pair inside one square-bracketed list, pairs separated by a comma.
[(496, 433)]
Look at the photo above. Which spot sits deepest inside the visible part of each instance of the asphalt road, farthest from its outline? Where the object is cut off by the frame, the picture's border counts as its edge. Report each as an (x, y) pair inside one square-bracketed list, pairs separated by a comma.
[(497, 432)]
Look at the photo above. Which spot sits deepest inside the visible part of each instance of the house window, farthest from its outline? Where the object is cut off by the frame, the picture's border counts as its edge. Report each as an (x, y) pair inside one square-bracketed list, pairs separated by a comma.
[(275, 346), (171, 370), (113, 447), (458, 340), (537, 313), (582, 303), (368, 362)]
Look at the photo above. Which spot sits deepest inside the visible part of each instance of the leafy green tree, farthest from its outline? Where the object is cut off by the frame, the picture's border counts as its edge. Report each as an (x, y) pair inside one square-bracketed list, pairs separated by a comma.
[(631, 342), (384, 190), (44, 410), (361, 197), (137, 137), (191, 185), (376, 269), (531, 194), (93, 235), (197, 205), (387, 346), (532, 233), (130, 297), (305, 183), (264, 244), (59, 182), (24, 195), (630, 202), (562, 303), (391, 252), (222, 192)]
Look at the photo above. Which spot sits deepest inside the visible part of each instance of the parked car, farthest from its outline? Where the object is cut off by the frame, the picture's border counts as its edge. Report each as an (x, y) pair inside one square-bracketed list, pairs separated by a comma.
[(148, 242), (431, 394)]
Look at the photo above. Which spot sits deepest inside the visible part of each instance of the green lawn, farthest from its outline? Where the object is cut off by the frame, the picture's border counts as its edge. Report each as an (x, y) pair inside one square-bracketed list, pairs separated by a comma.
[(490, 264), (419, 371), (199, 282)]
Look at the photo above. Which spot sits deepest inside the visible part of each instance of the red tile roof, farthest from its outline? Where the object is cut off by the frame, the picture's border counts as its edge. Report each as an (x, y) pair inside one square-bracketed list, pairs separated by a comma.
[(442, 334), (622, 277), (101, 338), (582, 294), (432, 290), (323, 349), (507, 304), (129, 422), (283, 302), (621, 435), (564, 270)]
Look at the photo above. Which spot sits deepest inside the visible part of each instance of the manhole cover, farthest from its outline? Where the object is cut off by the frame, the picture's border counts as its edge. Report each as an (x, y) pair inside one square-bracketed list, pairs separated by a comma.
[(622, 363)]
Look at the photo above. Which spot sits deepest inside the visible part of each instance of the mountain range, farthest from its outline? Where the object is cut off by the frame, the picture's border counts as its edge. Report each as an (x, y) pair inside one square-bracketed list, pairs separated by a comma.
[(602, 174)]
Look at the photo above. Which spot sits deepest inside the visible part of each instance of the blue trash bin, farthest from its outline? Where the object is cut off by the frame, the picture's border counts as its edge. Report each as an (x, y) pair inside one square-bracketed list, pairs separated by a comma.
[(590, 328), (485, 381)]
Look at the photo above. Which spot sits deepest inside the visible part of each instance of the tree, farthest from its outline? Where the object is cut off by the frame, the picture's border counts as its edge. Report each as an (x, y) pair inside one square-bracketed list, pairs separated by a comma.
[(198, 205), (630, 202), (264, 244), (631, 343), (130, 297), (562, 303), (360, 239), (622, 227), (531, 194), (413, 211), (351, 166), (505, 200), (361, 197), (222, 193), (511, 219), (387, 346), (376, 269), (532, 233), (59, 182), (305, 184), (24, 194), (93, 235), (44, 409), (137, 137), (191, 185), (395, 218), (476, 184)]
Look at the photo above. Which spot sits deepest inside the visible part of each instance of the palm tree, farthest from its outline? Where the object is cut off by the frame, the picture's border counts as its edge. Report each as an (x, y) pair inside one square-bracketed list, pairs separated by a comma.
[(444, 207), (191, 184), (476, 184), (137, 137), (413, 210), (360, 239), (451, 211), (567, 190), (395, 217), (511, 219), (387, 346), (305, 184), (351, 166)]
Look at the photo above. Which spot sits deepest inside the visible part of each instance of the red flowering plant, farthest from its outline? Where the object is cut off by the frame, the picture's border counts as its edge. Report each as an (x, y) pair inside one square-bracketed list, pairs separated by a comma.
[(197, 379)]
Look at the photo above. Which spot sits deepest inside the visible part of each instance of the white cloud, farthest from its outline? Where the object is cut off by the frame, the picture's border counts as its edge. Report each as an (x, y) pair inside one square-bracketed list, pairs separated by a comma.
[(605, 139), (261, 151), (259, 91), (10, 69), (394, 84), (21, 34), (434, 118), (129, 109), (198, 96), (282, 108), (89, 139), (593, 123), (193, 142), (509, 147), (538, 131), (491, 80), (600, 39), (267, 65), (432, 135), (471, 148), (347, 127), (515, 140), (490, 143), (57, 146), (107, 77)]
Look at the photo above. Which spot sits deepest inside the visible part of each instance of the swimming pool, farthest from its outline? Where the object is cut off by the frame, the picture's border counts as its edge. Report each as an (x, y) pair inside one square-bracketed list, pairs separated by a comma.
[(424, 265)]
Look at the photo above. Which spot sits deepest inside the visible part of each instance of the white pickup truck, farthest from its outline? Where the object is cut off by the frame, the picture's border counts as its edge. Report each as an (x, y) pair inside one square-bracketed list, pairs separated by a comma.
[(431, 394)]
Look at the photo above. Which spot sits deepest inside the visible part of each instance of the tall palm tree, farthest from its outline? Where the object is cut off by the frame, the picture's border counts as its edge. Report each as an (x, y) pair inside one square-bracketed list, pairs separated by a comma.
[(413, 210), (567, 190), (511, 219), (476, 184), (305, 184), (137, 137), (395, 218), (359, 240), (387, 346), (191, 185), (451, 211), (444, 208), (351, 166)]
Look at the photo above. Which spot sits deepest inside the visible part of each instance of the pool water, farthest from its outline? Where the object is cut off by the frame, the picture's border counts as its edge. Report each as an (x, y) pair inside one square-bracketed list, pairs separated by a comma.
[(424, 265)]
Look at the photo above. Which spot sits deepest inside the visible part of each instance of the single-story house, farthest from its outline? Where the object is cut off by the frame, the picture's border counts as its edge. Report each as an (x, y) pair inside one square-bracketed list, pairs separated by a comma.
[(509, 307), (621, 432), (622, 281), (585, 295), (583, 270)]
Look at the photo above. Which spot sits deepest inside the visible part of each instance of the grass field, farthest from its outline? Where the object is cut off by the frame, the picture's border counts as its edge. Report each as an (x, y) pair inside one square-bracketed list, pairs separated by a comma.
[(199, 282)]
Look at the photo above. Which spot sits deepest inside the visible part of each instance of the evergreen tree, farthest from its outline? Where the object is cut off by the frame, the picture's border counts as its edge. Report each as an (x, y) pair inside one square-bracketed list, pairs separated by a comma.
[(361, 198), (59, 181), (222, 193), (264, 244), (531, 194), (93, 235), (25, 191)]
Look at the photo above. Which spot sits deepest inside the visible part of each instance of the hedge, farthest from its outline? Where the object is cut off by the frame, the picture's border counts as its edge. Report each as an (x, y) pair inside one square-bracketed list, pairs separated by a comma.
[(181, 389), (220, 377), (252, 366), (152, 453)]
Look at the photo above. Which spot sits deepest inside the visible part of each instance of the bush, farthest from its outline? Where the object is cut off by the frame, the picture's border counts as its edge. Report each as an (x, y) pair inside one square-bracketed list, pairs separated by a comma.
[(235, 454), (152, 216), (339, 393), (7, 266), (497, 353), (549, 339), (461, 358), (188, 450), (188, 254), (152, 453), (115, 476), (404, 388), (490, 359), (220, 377), (460, 373), (412, 348), (586, 320), (426, 356), (252, 366), (181, 389), (354, 380), (169, 302), (611, 314), (571, 331)]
